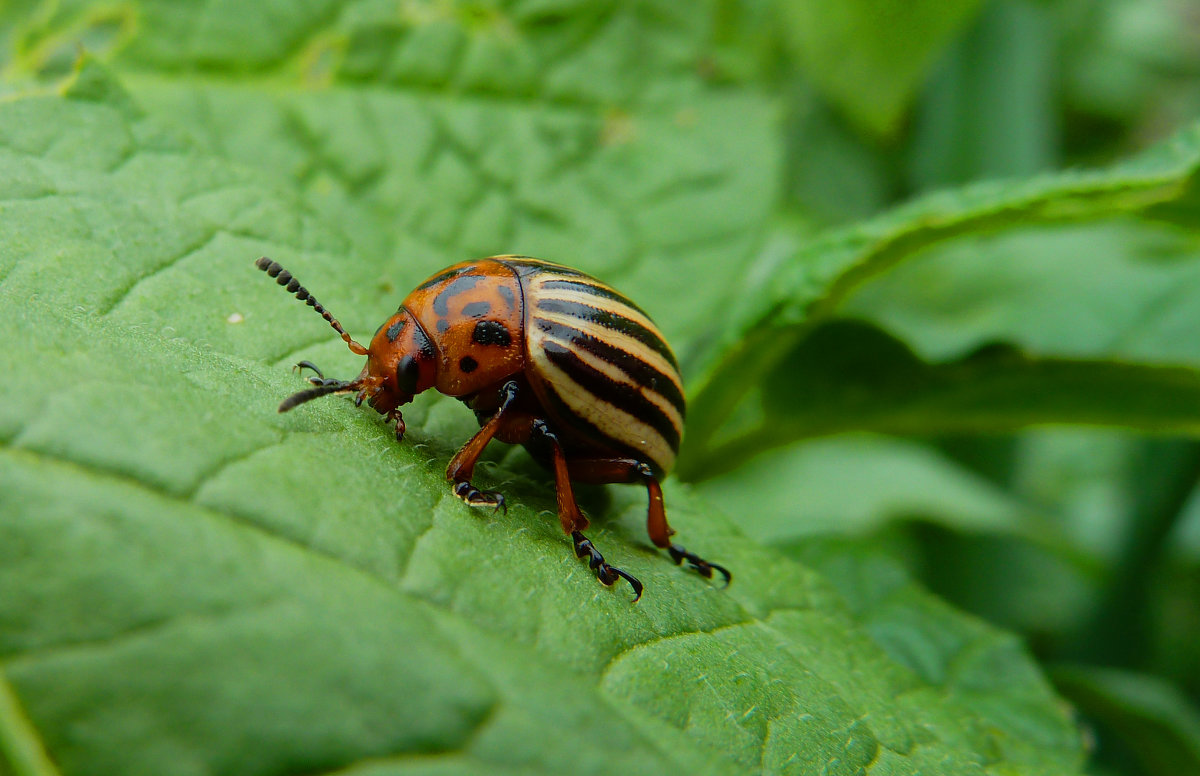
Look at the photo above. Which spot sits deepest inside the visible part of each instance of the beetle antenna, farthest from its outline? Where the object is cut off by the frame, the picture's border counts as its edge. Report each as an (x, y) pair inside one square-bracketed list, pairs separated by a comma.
[(325, 388), (285, 279)]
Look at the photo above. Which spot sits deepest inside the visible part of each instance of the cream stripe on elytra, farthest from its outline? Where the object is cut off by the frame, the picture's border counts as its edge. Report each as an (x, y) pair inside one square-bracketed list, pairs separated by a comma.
[(594, 300), (624, 342), (616, 423), (612, 372)]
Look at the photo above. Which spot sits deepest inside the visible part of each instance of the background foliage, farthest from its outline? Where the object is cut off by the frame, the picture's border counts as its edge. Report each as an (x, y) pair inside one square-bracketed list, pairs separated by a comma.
[(931, 270)]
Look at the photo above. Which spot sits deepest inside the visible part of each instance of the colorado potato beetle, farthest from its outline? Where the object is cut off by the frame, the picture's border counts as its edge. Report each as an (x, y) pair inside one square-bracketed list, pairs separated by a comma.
[(548, 358)]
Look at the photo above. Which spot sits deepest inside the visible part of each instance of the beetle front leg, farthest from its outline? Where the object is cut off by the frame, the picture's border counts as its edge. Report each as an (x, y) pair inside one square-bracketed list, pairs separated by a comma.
[(462, 465)]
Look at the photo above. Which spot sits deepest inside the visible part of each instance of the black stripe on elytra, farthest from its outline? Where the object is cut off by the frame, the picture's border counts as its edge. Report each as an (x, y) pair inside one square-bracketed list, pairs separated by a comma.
[(491, 333), (476, 309), (454, 288), (441, 277), (525, 266), (593, 288), (620, 395), (589, 431), (610, 320), (642, 373)]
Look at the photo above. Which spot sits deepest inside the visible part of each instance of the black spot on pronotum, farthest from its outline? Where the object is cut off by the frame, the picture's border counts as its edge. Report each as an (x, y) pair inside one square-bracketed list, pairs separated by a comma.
[(442, 277), (468, 364), (452, 289), (477, 309), (509, 298), (393, 332), (442, 325), (491, 333)]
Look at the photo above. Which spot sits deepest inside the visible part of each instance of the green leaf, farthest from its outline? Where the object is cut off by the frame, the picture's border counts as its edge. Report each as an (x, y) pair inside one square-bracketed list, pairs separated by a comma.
[(191, 582), (800, 284), (637, 197), (988, 110), (1118, 289), (851, 376), (824, 491), (1141, 714), (603, 149), (869, 57)]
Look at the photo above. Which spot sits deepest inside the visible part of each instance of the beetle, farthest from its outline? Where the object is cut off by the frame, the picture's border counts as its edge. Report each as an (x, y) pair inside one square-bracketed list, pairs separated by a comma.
[(547, 357)]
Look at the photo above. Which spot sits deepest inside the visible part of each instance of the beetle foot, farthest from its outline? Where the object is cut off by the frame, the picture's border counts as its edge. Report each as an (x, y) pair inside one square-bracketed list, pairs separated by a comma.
[(702, 567), (604, 572), (396, 416), (308, 365), (474, 497)]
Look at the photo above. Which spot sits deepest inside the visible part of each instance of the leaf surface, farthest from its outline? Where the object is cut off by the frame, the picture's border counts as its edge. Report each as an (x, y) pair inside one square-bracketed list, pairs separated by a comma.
[(869, 57), (799, 284), (192, 583)]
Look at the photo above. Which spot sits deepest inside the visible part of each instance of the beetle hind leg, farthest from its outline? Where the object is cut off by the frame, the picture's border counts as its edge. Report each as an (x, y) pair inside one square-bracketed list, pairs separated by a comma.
[(606, 573), (660, 532), (573, 520), (630, 470), (702, 567)]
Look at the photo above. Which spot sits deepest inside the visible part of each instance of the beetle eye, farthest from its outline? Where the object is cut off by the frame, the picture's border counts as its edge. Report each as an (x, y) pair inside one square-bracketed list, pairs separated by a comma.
[(408, 372)]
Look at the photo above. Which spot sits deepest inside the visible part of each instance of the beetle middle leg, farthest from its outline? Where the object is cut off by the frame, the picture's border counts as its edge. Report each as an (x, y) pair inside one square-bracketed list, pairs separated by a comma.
[(573, 519), (462, 465), (631, 470)]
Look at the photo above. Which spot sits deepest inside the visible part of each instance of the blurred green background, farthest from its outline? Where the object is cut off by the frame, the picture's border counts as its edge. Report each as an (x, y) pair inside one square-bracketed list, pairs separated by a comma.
[(989, 414)]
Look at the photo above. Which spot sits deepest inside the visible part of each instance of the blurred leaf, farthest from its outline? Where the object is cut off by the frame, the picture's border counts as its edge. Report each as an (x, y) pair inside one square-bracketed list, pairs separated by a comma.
[(780, 307), (1123, 56), (1164, 477), (1081, 476), (191, 582), (988, 111), (869, 57), (852, 376), (832, 176), (1117, 289), (856, 484), (1139, 713), (980, 547), (20, 750)]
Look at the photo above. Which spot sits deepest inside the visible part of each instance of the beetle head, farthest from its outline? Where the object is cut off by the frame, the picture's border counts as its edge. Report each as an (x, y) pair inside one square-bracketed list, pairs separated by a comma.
[(400, 364), (400, 361)]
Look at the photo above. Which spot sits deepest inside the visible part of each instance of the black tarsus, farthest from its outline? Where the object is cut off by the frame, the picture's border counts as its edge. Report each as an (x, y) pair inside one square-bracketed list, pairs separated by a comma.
[(607, 574), (308, 365), (284, 278), (480, 498), (703, 568), (472, 495), (678, 554)]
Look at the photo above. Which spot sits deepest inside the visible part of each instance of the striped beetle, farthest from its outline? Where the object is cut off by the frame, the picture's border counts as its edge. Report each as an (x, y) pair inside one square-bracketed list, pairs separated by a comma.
[(548, 358)]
